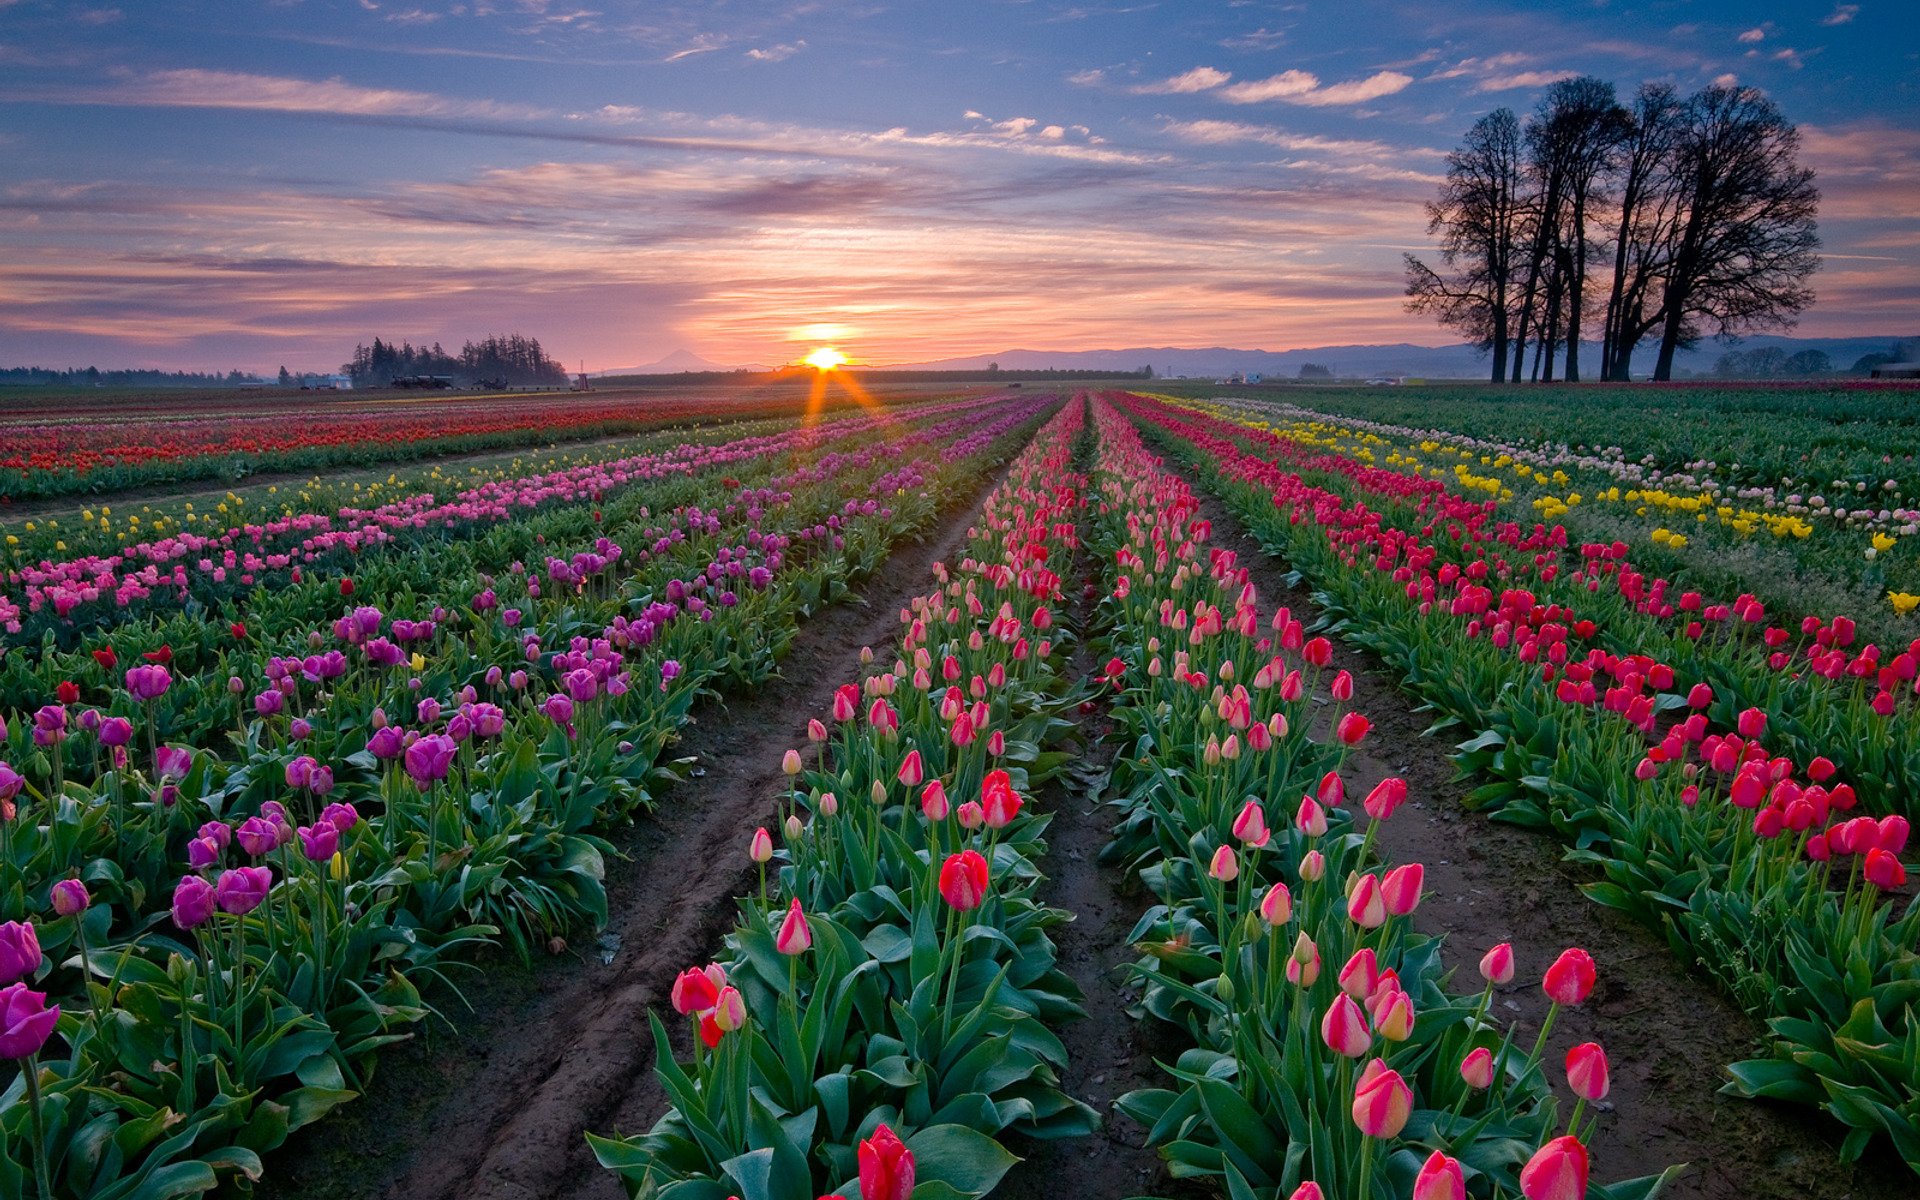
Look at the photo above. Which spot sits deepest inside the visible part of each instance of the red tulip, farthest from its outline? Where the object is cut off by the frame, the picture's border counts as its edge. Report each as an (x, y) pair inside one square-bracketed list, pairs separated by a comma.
[(1440, 1179), (999, 803), (1308, 1191), (711, 1034), (1571, 978), (693, 992), (106, 657), (911, 772), (1751, 723), (1382, 1101), (238, 630), (1344, 1028), (1557, 1171), (67, 692), (1385, 798), (1587, 1071), (346, 586), (1883, 870), (1352, 729), (963, 880), (162, 656), (886, 1167)]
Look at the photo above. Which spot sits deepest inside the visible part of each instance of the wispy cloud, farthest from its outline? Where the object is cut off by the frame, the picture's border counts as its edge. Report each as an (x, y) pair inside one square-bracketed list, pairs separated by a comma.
[(779, 53), (1200, 79), (1303, 87), (705, 43), (1522, 79), (1758, 33), (193, 87), (1843, 14)]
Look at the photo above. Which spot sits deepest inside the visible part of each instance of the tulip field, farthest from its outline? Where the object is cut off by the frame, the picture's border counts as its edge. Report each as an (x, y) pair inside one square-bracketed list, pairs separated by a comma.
[(287, 789)]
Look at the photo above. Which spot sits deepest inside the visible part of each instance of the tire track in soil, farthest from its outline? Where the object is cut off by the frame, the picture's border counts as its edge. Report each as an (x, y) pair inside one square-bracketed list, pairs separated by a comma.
[(498, 1108), (1668, 1031)]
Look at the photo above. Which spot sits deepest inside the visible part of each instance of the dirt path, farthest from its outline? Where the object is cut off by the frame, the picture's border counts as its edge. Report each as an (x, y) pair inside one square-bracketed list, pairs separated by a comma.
[(1108, 1054), (497, 1110), (1668, 1032)]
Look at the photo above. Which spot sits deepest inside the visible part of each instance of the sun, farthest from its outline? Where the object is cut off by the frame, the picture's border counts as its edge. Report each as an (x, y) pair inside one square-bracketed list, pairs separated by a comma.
[(826, 358)]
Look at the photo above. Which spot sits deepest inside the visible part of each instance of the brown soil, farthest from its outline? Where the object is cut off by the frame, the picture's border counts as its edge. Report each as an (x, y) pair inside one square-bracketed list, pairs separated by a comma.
[(498, 1108), (1668, 1032), (1108, 1054)]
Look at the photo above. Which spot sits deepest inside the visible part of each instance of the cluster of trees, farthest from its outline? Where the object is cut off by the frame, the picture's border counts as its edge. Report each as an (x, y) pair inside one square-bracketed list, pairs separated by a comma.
[(1905, 351), (1771, 362), (1668, 216), (1315, 371), (502, 360), (95, 377)]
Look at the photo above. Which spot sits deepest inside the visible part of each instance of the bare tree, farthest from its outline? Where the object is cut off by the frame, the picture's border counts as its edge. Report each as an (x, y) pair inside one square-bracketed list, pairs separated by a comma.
[(1648, 227), (1748, 242), (1478, 217)]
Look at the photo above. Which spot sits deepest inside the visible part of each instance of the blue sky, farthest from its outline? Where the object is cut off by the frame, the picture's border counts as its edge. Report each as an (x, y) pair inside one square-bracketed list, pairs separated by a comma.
[(206, 183)]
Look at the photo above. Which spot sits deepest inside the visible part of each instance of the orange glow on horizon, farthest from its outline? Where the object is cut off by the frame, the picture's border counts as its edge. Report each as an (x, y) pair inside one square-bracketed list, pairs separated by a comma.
[(826, 358)]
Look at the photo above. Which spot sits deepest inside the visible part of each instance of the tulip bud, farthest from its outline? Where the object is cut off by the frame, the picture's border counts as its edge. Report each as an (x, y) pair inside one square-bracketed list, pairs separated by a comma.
[(1557, 1171), (1571, 978), (760, 847), (1400, 889), (1276, 907), (1496, 965), (1313, 865), (1440, 1179), (1344, 1028), (795, 936), (1224, 867), (69, 896), (793, 828), (1477, 1068), (1382, 1101), (1362, 972), (1365, 907), (1587, 1071), (1223, 988), (1310, 819)]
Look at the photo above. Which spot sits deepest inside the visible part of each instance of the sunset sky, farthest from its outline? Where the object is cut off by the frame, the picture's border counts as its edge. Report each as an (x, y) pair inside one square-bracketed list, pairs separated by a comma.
[(216, 183)]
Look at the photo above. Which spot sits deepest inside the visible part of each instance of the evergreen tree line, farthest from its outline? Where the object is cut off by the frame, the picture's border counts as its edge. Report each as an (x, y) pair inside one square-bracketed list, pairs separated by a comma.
[(95, 377), (500, 360), (1667, 218)]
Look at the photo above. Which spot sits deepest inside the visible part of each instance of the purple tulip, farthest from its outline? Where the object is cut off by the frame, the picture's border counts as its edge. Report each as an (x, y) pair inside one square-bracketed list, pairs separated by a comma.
[(300, 729), (488, 720), (559, 709), (89, 719), (430, 758), (236, 685), (319, 842), (510, 617), (460, 727), (11, 782), (148, 681), (493, 676), (192, 902), (116, 731), (68, 897), (341, 816), (299, 772), (19, 950), (241, 890), (50, 725), (387, 742), (258, 836), (582, 685), (517, 681), (322, 781), (427, 711), (269, 703), (172, 762), (26, 1021), (202, 852), (219, 831)]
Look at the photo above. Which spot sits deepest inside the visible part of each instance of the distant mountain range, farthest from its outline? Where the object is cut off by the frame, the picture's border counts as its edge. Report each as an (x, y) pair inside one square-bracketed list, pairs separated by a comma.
[(1400, 359), (1403, 359)]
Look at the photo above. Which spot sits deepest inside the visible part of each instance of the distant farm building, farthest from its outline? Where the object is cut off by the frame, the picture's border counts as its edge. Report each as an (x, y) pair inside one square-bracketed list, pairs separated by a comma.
[(1899, 370)]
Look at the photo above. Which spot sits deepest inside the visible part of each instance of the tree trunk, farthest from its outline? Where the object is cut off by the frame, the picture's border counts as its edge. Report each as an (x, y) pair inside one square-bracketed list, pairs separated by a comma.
[(1669, 339), (1499, 346)]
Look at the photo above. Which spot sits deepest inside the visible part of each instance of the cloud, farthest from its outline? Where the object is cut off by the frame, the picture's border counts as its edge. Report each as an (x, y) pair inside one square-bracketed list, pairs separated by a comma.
[(1726, 80), (705, 43), (778, 53), (1087, 78), (413, 16), (1793, 58), (1757, 34), (1521, 79), (1259, 39), (1303, 87), (193, 87), (1842, 14), (99, 16), (1200, 79)]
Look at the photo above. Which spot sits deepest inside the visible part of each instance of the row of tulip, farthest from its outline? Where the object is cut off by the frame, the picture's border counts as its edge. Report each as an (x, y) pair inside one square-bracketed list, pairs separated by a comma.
[(230, 941), (78, 452), (882, 1013), (1832, 692), (1329, 1059), (1748, 857), (219, 567)]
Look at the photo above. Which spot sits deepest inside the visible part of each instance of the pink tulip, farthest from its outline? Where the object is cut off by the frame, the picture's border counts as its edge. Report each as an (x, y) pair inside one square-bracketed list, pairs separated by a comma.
[(760, 846), (1587, 1071), (933, 801), (1313, 865), (1311, 818), (26, 1022), (1400, 889), (963, 880), (1361, 974), (1557, 1171), (1477, 1068), (1276, 907), (1382, 1101), (1224, 867), (1308, 1191), (19, 950), (1386, 798), (1496, 965), (1440, 1179), (1393, 1015), (693, 992), (1365, 907), (795, 936), (911, 772), (1344, 1028), (1251, 826)]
